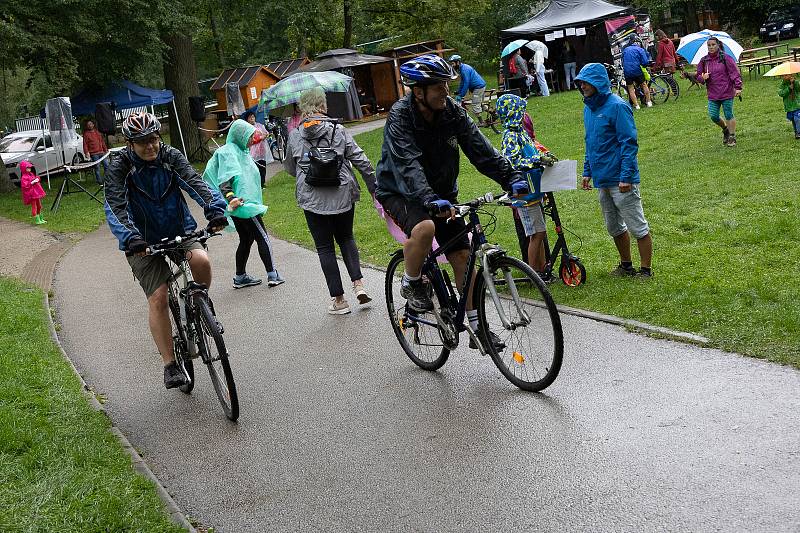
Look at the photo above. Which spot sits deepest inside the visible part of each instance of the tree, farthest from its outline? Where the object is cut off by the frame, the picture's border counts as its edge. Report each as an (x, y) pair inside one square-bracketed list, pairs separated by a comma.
[(5, 179)]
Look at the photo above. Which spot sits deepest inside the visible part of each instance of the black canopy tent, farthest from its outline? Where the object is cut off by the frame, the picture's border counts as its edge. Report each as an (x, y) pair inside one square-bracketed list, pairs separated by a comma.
[(563, 14)]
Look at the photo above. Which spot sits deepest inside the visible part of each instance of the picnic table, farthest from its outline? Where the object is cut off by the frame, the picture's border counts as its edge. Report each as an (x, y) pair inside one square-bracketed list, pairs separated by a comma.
[(750, 53), (794, 50), (749, 60)]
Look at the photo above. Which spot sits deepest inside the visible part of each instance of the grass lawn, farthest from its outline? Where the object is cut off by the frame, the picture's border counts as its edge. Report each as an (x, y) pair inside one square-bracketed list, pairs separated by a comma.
[(61, 468), (724, 220)]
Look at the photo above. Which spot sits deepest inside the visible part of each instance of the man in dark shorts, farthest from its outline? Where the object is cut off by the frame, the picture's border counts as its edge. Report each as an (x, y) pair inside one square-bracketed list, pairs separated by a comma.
[(634, 59), (418, 170), (144, 205)]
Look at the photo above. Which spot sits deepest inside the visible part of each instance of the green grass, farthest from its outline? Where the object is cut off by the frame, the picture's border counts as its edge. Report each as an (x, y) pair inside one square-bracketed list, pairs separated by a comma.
[(724, 220), (61, 468)]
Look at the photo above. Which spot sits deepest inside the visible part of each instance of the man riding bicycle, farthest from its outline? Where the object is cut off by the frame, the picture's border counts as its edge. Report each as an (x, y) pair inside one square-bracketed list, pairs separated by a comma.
[(470, 81), (144, 205), (418, 170)]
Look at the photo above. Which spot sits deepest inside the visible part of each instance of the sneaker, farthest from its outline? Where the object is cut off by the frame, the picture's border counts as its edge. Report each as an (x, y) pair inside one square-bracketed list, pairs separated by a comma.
[(274, 279), (547, 277), (725, 135), (644, 274), (797, 135), (361, 294), (637, 106), (416, 295), (498, 344), (622, 271), (731, 140), (174, 376), (338, 308), (649, 104), (245, 280)]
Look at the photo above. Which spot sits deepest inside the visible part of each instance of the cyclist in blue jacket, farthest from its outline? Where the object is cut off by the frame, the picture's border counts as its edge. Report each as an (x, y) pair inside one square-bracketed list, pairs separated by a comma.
[(144, 205), (612, 148), (634, 60), (470, 81)]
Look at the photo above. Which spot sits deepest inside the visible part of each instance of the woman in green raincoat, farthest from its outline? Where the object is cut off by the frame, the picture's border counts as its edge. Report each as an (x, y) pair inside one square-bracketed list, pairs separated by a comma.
[(234, 173)]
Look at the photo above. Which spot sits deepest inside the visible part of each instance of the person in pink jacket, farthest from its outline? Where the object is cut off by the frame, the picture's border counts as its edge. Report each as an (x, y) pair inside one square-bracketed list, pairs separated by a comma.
[(32, 192), (720, 74)]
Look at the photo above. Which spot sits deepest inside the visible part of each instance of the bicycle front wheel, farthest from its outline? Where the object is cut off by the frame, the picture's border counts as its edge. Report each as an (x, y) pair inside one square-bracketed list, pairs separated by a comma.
[(416, 332), (180, 342), (531, 342), (659, 90), (212, 350)]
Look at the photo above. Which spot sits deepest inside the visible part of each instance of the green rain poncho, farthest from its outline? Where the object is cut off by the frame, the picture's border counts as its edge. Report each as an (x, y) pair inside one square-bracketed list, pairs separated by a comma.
[(233, 162)]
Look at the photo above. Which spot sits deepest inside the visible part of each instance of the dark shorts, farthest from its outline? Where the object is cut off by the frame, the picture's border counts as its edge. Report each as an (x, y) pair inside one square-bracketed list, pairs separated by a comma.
[(152, 271), (638, 80), (407, 215)]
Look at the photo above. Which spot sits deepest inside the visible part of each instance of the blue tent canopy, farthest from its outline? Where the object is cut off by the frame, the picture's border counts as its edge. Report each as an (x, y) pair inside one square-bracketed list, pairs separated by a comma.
[(123, 94)]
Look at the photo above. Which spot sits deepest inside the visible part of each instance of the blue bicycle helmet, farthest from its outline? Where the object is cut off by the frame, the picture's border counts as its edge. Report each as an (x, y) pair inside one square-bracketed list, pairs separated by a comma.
[(426, 70)]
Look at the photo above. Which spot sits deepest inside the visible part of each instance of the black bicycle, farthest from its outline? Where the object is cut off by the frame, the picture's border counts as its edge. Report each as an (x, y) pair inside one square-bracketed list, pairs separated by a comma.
[(518, 323), (196, 330), (487, 118), (277, 138)]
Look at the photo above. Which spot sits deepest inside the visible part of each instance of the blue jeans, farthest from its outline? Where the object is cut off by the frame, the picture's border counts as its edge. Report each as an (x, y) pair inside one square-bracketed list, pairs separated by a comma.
[(97, 177), (714, 107), (794, 118)]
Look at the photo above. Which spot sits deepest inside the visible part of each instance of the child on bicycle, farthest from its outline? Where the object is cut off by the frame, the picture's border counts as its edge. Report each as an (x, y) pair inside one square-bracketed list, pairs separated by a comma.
[(521, 151)]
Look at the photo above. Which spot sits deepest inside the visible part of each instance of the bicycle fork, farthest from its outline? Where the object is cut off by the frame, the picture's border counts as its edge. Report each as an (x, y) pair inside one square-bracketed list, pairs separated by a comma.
[(525, 320)]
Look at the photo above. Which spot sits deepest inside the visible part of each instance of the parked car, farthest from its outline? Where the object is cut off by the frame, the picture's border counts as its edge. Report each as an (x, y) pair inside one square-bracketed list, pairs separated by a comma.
[(781, 24), (37, 148)]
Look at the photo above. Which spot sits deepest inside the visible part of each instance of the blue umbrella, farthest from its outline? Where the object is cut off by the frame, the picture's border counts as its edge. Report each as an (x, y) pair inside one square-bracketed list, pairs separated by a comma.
[(513, 46), (693, 46)]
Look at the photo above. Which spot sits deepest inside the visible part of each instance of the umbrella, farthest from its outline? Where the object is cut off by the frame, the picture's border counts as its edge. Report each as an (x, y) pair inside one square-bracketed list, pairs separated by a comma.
[(512, 47), (538, 46), (693, 46), (789, 67), (278, 99)]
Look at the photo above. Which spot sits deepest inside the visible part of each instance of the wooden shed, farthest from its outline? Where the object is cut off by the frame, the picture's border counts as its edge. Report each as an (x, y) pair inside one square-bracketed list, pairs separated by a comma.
[(253, 79), (401, 54)]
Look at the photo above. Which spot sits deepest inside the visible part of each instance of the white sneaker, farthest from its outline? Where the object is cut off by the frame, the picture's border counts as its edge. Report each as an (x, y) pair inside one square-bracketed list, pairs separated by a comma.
[(637, 107), (649, 104), (361, 294), (338, 308)]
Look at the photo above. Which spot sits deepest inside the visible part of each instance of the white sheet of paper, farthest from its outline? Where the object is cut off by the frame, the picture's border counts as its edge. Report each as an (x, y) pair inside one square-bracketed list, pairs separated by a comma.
[(549, 37), (569, 31), (562, 176), (558, 34), (580, 31)]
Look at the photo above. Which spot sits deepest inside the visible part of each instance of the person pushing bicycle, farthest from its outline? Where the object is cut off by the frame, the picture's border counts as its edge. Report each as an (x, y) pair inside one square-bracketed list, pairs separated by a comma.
[(144, 205), (418, 170), (470, 81)]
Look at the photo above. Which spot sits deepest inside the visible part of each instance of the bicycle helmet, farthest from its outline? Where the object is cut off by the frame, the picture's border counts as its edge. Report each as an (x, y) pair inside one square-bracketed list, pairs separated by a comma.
[(426, 69), (454, 58), (140, 125)]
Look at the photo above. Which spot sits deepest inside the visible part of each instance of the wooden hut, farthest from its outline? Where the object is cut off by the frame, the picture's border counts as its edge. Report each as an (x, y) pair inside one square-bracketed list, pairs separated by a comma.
[(253, 79), (401, 54)]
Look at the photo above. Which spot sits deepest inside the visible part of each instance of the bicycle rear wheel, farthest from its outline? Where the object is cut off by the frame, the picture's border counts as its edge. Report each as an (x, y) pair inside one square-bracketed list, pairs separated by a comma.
[(534, 344), (180, 342), (416, 332), (674, 87), (212, 350), (659, 90)]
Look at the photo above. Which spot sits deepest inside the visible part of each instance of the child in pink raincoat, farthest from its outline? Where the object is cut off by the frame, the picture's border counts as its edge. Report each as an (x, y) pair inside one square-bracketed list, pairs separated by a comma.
[(32, 192)]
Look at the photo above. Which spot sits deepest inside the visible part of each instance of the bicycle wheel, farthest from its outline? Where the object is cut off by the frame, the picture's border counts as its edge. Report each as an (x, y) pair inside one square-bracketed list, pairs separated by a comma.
[(179, 343), (674, 87), (416, 332), (659, 90), (534, 344), (212, 350), (572, 272)]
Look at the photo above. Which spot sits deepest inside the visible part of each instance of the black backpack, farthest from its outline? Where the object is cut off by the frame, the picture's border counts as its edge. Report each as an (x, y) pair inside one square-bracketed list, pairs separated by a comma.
[(324, 164)]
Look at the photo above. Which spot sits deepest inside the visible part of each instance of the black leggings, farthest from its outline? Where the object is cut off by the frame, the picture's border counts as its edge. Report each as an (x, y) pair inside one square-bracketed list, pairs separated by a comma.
[(252, 230), (324, 229)]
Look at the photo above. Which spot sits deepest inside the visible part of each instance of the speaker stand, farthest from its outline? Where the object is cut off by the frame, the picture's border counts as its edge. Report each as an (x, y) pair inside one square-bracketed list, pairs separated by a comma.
[(201, 153), (64, 190)]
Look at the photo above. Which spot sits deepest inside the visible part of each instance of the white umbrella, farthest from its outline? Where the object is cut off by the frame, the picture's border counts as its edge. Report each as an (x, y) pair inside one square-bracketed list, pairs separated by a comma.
[(538, 46), (693, 46)]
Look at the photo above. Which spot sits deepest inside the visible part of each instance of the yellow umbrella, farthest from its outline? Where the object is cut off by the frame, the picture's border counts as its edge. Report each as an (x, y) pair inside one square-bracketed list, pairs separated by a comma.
[(790, 67)]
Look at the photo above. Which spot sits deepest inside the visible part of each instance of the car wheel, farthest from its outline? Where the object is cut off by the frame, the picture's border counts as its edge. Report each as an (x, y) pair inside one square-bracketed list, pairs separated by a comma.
[(77, 158)]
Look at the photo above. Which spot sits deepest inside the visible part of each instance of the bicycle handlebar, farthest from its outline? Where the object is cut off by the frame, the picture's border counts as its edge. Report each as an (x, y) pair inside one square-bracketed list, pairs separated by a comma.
[(200, 235)]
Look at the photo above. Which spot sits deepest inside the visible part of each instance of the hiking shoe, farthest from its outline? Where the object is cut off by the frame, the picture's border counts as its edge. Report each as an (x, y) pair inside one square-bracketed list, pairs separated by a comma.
[(644, 274), (174, 376), (547, 277), (361, 294), (338, 308), (725, 134), (731, 140), (274, 279), (416, 295), (622, 271), (498, 344), (245, 280)]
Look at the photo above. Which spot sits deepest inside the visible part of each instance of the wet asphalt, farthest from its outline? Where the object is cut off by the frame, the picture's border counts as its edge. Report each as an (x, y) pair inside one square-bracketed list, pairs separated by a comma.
[(339, 431)]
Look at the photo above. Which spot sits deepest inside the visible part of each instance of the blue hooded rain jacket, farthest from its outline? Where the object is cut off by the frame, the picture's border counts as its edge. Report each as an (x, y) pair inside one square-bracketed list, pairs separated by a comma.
[(612, 143)]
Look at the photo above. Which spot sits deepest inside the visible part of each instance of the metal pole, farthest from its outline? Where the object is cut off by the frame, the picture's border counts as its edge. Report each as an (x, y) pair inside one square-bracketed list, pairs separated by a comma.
[(178, 122), (46, 165)]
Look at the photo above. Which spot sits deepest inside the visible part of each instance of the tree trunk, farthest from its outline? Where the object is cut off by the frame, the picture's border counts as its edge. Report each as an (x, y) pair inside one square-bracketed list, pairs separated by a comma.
[(180, 76), (348, 24), (5, 179)]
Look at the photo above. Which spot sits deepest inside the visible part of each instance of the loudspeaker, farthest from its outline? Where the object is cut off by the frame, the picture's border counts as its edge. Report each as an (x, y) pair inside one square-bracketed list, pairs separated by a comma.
[(105, 118), (197, 109)]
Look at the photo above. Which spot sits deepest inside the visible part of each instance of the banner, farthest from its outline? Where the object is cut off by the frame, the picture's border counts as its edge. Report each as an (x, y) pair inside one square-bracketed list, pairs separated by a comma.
[(621, 31)]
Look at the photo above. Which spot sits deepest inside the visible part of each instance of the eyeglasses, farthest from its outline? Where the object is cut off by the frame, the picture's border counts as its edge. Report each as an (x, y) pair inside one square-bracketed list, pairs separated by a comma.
[(149, 141)]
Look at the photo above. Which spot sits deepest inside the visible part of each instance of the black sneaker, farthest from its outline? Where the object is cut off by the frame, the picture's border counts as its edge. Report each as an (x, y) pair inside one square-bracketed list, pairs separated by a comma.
[(731, 140), (547, 277), (644, 274), (174, 376), (725, 134), (416, 295), (498, 344), (622, 271)]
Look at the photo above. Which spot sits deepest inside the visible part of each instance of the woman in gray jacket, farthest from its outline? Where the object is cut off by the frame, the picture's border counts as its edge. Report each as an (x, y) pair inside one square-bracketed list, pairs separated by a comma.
[(329, 210)]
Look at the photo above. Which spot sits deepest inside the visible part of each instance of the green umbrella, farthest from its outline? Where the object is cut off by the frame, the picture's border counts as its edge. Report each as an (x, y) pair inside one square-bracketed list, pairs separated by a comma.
[(278, 99)]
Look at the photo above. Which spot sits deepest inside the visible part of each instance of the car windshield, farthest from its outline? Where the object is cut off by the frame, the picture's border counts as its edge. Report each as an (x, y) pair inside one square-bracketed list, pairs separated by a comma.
[(17, 144), (777, 16)]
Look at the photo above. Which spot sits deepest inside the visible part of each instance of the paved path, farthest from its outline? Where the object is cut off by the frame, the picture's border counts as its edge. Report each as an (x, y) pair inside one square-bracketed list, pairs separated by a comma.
[(30, 252), (340, 432)]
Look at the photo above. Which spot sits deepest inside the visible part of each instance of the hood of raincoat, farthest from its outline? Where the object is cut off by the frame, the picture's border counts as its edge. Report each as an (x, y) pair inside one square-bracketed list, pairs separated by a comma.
[(317, 127), (25, 166), (511, 111), (233, 162), (596, 75)]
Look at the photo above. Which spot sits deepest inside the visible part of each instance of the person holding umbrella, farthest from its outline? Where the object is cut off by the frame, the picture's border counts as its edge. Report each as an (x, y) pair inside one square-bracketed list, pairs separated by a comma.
[(719, 73), (789, 90)]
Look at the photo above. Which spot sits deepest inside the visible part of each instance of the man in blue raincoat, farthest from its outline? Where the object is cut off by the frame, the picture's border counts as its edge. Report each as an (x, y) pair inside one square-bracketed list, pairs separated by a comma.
[(470, 81), (612, 148)]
